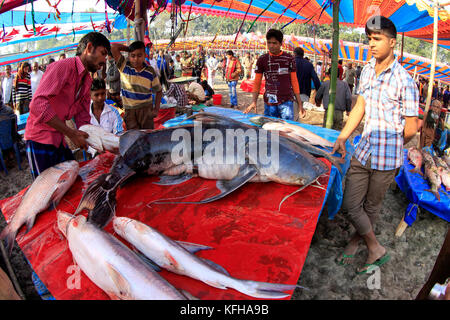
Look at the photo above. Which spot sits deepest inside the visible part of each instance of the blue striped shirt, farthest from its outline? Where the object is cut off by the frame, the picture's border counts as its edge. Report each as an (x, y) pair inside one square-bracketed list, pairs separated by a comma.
[(389, 98)]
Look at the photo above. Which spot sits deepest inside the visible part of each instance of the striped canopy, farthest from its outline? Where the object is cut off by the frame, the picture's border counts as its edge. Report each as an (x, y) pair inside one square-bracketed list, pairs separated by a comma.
[(413, 17)]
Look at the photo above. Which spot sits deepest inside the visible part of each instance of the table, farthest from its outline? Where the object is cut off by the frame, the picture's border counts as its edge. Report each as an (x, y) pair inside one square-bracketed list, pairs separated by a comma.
[(414, 186), (22, 121)]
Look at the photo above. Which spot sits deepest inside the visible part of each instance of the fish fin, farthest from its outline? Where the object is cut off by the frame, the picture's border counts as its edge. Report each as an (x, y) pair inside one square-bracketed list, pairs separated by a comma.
[(188, 295), (30, 223), (416, 170), (9, 235), (193, 247), (147, 261), (265, 290), (245, 174), (173, 180), (216, 266), (122, 285), (436, 193), (128, 139), (91, 194)]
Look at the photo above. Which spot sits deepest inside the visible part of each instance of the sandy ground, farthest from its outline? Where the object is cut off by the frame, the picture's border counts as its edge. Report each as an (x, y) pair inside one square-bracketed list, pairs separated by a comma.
[(412, 255)]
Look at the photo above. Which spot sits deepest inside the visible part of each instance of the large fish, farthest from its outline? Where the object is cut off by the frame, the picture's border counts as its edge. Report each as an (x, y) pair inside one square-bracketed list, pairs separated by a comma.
[(100, 139), (415, 157), (171, 256), (291, 129), (443, 171), (48, 189), (111, 265), (434, 179), (153, 153)]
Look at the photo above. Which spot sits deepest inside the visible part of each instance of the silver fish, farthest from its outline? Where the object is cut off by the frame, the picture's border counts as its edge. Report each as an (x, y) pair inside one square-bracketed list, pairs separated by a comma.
[(111, 265), (171, 256), (100, 139), (48, 188)]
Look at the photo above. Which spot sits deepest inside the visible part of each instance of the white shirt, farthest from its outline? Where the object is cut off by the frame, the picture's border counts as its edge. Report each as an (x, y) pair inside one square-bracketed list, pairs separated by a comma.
[(7, 88), (212, 64), (110, 119), (154, 65), (35, 78), (197, 89)]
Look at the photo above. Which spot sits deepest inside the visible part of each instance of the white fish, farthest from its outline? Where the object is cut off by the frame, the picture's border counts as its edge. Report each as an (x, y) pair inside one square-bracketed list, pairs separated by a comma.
[(100, 139), (172, 256), (48, 188), (111, 265)]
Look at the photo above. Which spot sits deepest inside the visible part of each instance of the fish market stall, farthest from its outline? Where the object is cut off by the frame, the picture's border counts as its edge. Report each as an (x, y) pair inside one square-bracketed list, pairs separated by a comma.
[(417, 189), (249, 234)]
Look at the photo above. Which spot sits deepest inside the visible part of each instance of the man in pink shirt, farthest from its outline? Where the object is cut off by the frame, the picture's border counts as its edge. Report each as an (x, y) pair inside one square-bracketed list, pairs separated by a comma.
[(63, 94)]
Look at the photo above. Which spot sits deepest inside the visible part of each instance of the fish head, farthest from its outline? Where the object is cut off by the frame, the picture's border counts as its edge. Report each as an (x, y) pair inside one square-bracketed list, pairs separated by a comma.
[(121, 224), (66, 220)]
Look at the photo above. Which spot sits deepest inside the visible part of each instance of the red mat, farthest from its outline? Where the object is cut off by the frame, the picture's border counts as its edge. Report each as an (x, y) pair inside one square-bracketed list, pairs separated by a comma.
[(247, 86), (251, 239)]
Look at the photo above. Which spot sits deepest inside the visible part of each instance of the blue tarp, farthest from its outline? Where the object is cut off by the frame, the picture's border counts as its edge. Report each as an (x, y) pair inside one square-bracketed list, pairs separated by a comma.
[(414, 186), (334, 192)]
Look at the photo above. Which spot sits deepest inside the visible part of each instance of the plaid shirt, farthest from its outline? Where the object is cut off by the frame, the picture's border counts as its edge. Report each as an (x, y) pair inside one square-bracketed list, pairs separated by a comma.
[(389, 98), (179, 93)]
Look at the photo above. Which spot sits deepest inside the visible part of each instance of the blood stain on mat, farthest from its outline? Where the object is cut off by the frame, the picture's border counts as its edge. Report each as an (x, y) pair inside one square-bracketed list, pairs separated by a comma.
[(224, 231), (277, 261)]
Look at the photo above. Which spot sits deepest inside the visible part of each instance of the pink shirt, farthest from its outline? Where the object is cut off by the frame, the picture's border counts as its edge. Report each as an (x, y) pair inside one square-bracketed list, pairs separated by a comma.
[(61, 93)]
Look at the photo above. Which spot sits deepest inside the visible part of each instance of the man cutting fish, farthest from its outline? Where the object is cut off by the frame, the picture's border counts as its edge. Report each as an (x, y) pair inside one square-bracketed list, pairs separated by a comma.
[(389, 100), (63, 94)]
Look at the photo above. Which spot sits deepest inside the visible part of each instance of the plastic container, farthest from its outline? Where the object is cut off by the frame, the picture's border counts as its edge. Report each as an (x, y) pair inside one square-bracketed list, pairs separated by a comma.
[(217, 99)]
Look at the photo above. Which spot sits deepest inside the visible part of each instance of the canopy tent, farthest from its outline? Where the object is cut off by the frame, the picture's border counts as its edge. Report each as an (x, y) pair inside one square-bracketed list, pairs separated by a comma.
[(413, 17)]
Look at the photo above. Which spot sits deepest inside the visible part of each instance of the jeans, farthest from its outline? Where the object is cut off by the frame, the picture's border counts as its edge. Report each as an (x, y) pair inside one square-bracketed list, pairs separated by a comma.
[(233, 95), (284, 110)]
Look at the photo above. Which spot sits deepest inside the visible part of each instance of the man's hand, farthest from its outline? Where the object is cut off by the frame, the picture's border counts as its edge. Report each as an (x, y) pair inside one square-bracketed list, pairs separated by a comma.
[(79, 137), (250, 108), (339, 146), (301, 111)]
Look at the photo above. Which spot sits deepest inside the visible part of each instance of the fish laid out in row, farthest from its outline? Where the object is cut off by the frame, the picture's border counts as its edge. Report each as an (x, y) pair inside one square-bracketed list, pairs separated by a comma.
[(47, 190), (436, 170), (152, 153)]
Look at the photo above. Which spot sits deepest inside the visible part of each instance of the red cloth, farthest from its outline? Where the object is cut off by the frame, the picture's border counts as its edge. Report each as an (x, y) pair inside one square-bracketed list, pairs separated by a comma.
[(250, 238), (163, 116), (247, 86)]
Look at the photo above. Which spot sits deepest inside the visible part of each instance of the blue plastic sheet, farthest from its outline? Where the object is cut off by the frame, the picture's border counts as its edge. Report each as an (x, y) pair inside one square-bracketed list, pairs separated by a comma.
[(414, 186), (334, 193)]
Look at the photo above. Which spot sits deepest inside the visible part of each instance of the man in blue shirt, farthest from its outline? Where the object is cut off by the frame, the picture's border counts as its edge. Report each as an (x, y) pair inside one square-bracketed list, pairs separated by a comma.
[(305, 73)]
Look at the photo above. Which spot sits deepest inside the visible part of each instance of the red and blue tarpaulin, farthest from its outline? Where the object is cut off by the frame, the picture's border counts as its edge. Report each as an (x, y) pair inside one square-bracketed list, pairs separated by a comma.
[(414, 17)]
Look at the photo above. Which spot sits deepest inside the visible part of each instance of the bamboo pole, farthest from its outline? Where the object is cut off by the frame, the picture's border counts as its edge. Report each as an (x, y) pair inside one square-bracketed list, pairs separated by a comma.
[(334, 62), (128, 32), (403, 44), (433, 67)]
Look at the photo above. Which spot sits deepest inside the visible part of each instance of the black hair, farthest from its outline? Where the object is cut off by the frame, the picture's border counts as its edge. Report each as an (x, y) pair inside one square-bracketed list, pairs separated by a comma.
[(230, 53), (274, 33), (340, 61), (97, 39), (299, 52), (98, 84), (328, 71), (136, 45), (381, 24)]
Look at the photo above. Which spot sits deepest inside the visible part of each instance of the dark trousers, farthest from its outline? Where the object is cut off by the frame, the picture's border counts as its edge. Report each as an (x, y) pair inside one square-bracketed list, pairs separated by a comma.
[(43, 156), (364, 192)]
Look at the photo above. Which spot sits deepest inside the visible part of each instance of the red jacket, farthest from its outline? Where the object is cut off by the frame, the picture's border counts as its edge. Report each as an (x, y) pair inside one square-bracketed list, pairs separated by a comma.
[(233, 70)]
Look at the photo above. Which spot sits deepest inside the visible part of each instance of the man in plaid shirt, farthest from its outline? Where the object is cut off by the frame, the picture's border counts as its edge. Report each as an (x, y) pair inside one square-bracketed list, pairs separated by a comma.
[(389, 100)]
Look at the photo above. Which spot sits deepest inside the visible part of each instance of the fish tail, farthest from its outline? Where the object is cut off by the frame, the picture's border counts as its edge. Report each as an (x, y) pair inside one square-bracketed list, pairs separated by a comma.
[(416, 170), (9, 235), (435, 192), (265, 290)]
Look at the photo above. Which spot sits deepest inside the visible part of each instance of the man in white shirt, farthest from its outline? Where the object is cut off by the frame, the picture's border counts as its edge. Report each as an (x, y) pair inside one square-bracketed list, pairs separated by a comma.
[(154, 63), (212, 64), (7, 84), (35, 77), (196, 93)]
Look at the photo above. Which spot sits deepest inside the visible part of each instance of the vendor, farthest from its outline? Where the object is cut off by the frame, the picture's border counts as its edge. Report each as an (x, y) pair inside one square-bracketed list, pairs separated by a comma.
[(63, 94), (178, 92), (208, 92), (431, 123), (196, 93)]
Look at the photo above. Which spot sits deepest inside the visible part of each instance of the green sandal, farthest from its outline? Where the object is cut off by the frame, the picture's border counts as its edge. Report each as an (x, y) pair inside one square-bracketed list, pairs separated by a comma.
[(344, 256), (369, 267)]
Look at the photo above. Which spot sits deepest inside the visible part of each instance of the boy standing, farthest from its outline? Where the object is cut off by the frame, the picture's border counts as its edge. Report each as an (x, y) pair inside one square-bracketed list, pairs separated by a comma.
[(389, 99), (232, 72), (138, 81), (279, 70)]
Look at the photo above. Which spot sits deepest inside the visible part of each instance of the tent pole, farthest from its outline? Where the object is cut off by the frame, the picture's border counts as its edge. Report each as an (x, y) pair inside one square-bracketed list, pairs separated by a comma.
[(314, 30), (403, 44), (334, 61), (433, 67), (128, 32)]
